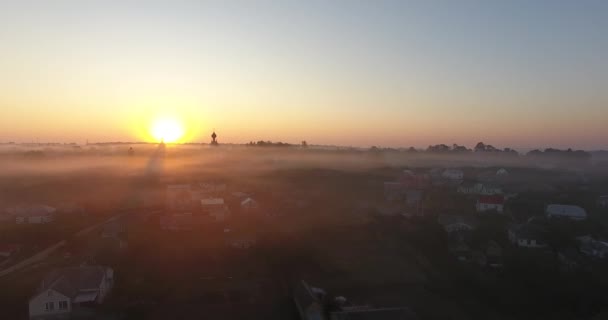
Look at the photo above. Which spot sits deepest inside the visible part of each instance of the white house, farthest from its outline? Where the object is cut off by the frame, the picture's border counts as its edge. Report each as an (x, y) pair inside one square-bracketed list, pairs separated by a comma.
[(212, 202), (215, 208), (593, 248), (452, 174), (456, 223), (210, 187), (490, 203), (249, 204), (66, 289), (526, 236), (566, 211), (479, 189), (502, 172), (33, 214)]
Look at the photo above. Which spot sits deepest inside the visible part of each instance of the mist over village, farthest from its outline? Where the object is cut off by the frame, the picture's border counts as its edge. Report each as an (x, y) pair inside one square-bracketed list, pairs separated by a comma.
[(303, 160), (277, 230)]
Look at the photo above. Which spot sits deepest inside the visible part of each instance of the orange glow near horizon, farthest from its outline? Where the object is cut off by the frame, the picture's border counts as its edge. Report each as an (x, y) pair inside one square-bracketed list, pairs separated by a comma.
[(168, 130)]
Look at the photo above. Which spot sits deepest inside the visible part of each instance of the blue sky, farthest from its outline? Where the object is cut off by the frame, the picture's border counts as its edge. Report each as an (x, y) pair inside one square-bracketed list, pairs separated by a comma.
[(392, 73)]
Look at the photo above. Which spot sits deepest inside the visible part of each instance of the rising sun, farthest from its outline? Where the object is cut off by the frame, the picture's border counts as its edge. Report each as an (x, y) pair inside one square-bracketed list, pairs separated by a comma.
[(167, 130)]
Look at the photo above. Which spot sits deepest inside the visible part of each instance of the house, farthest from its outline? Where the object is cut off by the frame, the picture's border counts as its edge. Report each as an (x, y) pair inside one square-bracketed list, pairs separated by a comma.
[(452, 174), (206, 190), (365, 313), (249, 204), (212, 187), (32, 214), (490, 203), (7, 250), (179, 197), (493, 253), (457, 223), (67, 289), (502, 172), (240, 195), (411, 180), (413, 203), (490, 255), (309, 301), (460, 250), (593, 248), (485, 189), (210, 203), (215, 208), (113, 229), (527, 236), (566, 211)]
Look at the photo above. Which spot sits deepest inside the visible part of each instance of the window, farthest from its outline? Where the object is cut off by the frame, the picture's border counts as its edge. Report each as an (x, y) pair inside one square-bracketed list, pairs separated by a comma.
[(63, 305), (49, 306)]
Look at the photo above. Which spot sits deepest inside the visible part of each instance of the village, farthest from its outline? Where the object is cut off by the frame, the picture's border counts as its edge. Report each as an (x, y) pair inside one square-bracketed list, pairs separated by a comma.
[(312, 242)]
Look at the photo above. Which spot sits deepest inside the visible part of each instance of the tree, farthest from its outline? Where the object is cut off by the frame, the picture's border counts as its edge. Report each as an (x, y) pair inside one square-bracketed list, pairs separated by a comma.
[(438, 148), (460, 149), (480, 147), (490, 148)]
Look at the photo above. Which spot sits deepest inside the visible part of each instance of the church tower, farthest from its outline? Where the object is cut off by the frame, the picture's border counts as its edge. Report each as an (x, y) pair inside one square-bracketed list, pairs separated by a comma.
[(213, 137)]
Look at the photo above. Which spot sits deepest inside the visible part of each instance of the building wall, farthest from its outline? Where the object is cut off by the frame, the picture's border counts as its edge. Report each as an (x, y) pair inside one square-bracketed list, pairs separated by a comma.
[(526, 243), (489, 206), (37, 305), (106, 285), (34, 219)]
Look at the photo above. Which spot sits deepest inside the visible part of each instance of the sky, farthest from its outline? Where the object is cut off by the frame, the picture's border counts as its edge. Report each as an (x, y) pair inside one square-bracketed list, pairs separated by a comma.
[(523, 74)]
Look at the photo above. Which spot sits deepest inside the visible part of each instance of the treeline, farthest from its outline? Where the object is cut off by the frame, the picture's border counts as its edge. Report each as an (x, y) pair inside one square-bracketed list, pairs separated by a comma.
[(480, 147), (262, 143), (490, 149), (569, 154)]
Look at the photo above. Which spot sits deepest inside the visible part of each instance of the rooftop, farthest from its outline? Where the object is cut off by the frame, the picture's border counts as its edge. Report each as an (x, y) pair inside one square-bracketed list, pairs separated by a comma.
[(566, 211), (31, 210), (74, 281)]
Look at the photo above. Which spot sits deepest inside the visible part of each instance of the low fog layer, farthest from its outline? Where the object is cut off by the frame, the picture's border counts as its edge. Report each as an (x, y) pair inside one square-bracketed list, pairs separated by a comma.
[(101, 175)]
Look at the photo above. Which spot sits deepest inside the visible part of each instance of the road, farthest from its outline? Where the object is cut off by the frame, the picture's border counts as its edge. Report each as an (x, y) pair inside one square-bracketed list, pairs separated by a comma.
[(43, 254)]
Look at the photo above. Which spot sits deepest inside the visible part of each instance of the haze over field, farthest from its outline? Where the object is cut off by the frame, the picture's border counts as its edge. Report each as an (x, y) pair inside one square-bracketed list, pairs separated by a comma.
[(520, 74), (303, 159)]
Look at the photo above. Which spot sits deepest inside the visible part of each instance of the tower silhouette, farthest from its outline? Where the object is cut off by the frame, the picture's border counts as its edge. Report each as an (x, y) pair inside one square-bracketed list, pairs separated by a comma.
[(213, 137)]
